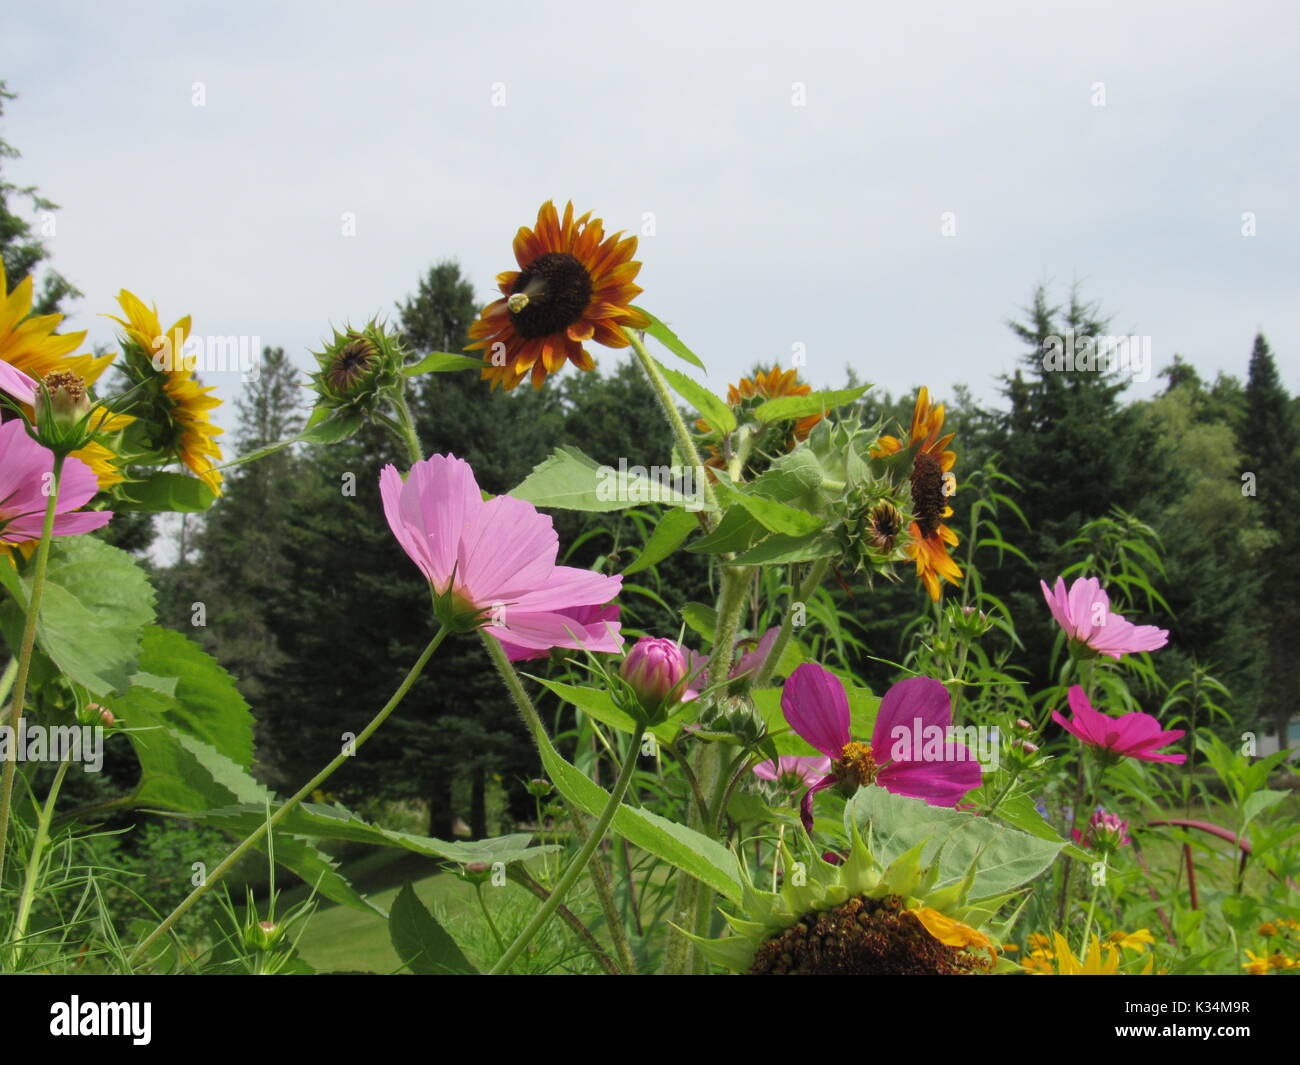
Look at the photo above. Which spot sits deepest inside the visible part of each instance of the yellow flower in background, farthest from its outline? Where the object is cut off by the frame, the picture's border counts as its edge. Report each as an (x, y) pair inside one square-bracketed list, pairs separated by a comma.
[(1101, 959), (32, 345), (1139, 940), (1256, 965), (101, 459), (187, 402)]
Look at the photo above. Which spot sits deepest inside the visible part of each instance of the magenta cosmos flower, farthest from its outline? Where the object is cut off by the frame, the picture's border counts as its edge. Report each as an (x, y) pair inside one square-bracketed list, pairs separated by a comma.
[(589, 623), (1134, 735), (1084, 612), (492, 564), (25, 469), (910, 752)]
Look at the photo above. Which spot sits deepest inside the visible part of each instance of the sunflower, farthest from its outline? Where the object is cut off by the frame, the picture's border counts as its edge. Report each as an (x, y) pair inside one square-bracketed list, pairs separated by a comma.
[(751, 393), (931, 486), (31, 345), (185, 402), (101, 459), (573, 284)]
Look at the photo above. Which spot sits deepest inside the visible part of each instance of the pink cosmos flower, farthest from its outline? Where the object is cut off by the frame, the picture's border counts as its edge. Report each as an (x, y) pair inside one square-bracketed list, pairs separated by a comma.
[(25, 469), (17, 384), (1134, 735), (1083, 611), (910, 752), (747, 663), (1105, 831), (588, 619), (492, 564), (794, 771)]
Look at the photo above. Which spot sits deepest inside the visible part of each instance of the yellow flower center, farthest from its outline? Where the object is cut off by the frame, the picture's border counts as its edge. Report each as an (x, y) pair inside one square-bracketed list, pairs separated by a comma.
[(856, 765)]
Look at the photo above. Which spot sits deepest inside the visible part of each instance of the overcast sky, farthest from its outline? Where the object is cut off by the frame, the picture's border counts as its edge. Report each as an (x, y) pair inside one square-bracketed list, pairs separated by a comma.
[(798, 161)]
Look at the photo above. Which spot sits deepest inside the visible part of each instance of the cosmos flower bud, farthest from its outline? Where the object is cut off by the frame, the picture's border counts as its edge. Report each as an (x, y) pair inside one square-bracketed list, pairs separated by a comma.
[(263, 935), (69, 401), (655, 670)]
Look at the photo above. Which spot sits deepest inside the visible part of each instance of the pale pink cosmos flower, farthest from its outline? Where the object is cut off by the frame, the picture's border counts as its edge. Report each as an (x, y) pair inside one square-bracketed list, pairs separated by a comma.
[(26, 469), (1135, 735), (794, 771), (17, 384), (494, 562), (902, 756), (1083, 611), (588, 620)]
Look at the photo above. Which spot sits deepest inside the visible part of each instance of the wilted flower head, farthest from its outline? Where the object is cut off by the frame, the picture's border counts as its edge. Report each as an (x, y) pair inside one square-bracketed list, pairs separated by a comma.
[(492, 564), (1135, 735), (1083, 612)]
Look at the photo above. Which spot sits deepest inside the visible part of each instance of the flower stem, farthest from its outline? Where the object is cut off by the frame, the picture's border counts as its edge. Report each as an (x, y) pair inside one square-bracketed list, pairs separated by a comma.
[(685, 442), (599, 875), (579, 863), (406, 424), (34, 860), (805, 592), (25, 653), (302, 793)]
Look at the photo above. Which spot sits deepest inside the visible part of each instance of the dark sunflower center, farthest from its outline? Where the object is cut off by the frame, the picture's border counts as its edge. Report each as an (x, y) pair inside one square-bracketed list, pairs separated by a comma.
[(862, 937), (928, 500), (351, 363), (558, 289)]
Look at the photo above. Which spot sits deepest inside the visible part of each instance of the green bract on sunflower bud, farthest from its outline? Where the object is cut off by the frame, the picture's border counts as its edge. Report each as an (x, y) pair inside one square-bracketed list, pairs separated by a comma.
[(359, 369)]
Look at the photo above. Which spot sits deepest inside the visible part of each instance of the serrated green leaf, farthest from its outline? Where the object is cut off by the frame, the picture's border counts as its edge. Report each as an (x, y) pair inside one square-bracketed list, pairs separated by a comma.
[(786, 408), (711, 408), (96, 604), (570, 480), (772, 515), (164, 492), (669, 534), (670, 340), (442, 362), (784, 549)]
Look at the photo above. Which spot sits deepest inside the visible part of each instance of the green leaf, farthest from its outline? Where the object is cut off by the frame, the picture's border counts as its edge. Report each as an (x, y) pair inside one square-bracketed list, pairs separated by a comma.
[(670, 340), (1004, 858), (570, 480), (735, 532), (421, 942), (782, 548), (673, 529), (325, 425), (442, 362), (598, 705), (787, 408), (688, 850), (1019, 812), (711, 408), (97, 601), (181, 774), (164, 491), (1260, 801), (773, 516), (208, 705), (701, 618)]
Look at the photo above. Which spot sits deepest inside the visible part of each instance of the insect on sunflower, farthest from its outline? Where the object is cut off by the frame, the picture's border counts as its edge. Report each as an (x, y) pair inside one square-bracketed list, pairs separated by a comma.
[(574, 284)]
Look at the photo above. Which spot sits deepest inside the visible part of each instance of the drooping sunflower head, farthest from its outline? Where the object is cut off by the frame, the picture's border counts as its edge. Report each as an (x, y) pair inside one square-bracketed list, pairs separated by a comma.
[(574, 284), (174, 408), (758, 442), (932, 485), (855, 917)]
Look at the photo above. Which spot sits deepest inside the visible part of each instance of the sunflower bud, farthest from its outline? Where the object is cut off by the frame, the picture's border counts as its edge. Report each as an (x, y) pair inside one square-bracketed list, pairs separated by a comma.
[(358, 368)]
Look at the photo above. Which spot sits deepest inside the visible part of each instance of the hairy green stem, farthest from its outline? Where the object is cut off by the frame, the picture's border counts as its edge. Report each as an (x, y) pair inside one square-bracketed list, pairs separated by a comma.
[(406, 425), (579, 863), (599, 874), (685, 442), (260, 833), (25, 653)]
